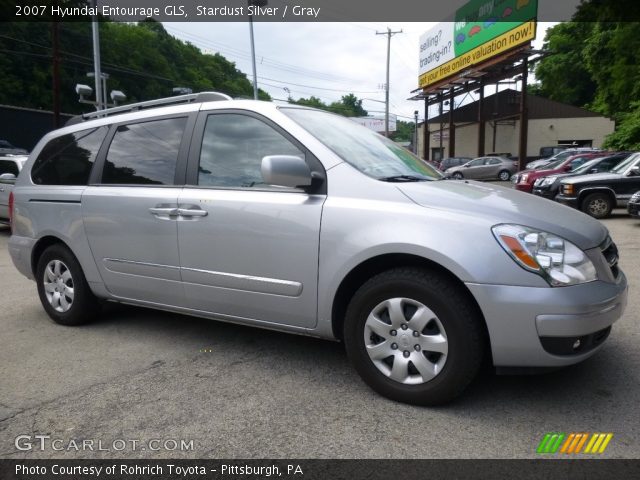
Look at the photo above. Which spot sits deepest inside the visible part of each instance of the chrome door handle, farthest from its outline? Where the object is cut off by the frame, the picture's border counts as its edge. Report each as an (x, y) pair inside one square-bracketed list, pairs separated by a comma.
[(188, 212), (171, 212)]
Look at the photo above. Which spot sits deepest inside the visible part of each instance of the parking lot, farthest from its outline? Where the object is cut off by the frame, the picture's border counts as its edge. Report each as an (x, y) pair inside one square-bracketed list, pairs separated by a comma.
[(239, 392)]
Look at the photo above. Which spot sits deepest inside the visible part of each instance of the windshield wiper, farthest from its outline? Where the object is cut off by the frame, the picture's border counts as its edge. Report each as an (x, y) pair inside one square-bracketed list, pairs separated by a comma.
[(403, 178)]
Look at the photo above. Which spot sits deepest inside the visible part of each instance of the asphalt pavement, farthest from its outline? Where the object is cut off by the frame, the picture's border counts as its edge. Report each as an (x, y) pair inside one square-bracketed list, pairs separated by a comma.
[(229, 391)]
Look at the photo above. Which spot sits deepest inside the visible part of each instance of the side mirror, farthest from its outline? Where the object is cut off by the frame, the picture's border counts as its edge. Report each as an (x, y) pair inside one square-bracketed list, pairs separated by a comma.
[(634, 172), (568, 168), (8, 178), (286, 171)]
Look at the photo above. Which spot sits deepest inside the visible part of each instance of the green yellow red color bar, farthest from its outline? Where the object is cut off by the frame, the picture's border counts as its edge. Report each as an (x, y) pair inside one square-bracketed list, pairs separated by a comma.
[(574, 443)]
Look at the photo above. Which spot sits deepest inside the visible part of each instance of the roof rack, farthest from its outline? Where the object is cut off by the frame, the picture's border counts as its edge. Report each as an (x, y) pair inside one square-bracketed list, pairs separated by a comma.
[(160, 102)]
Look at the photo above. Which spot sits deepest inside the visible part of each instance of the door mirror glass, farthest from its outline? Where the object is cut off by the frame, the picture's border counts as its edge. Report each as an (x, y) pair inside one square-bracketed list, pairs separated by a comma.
[(8, 178), (285, 171)]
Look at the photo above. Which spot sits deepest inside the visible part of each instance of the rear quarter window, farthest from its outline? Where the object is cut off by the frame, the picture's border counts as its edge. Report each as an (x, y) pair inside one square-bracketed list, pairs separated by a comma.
[(67, 160)]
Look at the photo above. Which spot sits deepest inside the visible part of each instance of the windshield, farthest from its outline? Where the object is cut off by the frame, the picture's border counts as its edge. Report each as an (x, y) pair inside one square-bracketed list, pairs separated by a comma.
[(624, 165), (585, 167), (553, 165), (562, 156), (364, 149)]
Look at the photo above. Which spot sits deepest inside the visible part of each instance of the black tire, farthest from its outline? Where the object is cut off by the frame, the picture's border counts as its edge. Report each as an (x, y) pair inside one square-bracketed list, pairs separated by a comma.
[(458, 176), (454, 310), (598, 205), (84, 305), (504, 176)]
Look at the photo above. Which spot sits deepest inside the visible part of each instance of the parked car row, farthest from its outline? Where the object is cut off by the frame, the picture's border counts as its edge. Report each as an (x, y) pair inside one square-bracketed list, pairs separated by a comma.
[(563, 155), (593, 182)]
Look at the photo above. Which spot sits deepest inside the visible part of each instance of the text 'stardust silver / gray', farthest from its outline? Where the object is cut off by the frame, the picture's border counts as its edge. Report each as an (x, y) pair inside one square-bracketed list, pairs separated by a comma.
[(298, 220)]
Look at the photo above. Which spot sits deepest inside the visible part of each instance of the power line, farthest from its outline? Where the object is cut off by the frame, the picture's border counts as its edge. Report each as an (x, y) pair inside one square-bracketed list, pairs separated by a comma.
[(265, 60)]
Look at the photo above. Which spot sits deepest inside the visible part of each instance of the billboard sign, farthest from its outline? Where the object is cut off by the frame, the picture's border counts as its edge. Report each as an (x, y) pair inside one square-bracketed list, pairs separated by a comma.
[(376, 123), (478, 31)]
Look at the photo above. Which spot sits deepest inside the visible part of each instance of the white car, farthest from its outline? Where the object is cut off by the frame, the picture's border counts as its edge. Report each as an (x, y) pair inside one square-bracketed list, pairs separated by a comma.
[(10, 167)]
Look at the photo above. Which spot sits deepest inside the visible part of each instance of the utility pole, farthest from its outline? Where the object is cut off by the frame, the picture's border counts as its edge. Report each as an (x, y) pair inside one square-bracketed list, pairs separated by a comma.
[(100, 101), (389, 34), (55, 44)]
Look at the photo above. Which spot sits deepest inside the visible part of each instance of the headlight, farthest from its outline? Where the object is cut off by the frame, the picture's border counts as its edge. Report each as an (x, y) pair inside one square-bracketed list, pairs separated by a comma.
[(548, 181), (524, 178), (558, 261)]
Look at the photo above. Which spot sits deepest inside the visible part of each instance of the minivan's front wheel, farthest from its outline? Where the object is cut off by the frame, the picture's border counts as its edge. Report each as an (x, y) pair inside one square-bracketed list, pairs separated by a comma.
[(63, 289), (413, 336)]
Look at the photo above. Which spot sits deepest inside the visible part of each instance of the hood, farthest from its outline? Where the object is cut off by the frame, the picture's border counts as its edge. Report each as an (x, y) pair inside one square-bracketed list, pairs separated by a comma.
[(505, 205), (594, 177)]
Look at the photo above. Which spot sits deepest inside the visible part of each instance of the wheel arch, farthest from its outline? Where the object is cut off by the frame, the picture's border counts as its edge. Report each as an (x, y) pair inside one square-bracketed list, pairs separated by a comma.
[(588, 191), (378, 264), (41, 245)]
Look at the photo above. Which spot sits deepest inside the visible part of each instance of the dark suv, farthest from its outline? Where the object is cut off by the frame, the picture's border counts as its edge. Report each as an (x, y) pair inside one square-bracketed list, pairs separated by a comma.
[(549, 186), (599, 193)]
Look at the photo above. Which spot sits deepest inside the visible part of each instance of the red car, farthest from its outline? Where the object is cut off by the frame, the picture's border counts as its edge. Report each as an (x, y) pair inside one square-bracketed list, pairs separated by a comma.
[(524, 180)]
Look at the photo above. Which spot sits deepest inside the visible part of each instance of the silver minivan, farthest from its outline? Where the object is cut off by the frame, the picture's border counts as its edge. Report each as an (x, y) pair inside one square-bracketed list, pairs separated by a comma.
[(298, 220)]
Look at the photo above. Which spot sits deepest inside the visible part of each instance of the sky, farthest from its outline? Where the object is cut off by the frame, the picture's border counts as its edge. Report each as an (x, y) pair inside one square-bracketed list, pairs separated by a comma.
[(326, 60)]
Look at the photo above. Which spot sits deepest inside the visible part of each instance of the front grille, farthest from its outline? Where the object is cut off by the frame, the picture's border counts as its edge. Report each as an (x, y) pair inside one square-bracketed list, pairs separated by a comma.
[(610, 253), (635, 198)]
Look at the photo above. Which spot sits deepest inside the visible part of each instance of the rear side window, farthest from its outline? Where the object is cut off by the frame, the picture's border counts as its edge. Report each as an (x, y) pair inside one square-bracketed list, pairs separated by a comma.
[(144, 153), (67, 160), (8, 166)]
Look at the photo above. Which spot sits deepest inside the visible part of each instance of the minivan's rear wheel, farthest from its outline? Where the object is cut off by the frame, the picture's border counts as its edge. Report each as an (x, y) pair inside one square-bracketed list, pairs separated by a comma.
[(504, 175), (414, 336), (598, 205), (63, 289)]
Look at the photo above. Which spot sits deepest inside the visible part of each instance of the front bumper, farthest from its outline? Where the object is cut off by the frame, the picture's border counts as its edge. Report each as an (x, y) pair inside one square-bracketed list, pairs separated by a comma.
[(531, 327), (569, 201), (524, 187), (634, 209), (544, 192)]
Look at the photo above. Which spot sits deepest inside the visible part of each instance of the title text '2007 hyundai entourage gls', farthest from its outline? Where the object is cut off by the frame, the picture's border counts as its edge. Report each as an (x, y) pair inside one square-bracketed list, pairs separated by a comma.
[(299, 220)]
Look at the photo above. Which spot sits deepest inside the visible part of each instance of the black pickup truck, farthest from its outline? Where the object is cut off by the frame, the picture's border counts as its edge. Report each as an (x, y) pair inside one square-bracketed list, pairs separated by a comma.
[(597, 194)]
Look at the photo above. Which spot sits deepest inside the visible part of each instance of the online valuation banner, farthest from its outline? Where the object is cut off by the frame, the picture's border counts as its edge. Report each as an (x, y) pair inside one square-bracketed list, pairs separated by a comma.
[(480, 30)]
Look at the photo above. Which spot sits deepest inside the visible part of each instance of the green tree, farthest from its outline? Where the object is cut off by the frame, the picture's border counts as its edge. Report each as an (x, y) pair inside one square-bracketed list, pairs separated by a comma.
[(404, 131), (627, 134), (595, 63), (142, 60), (563, 75), (348, 106), (310, 102)]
